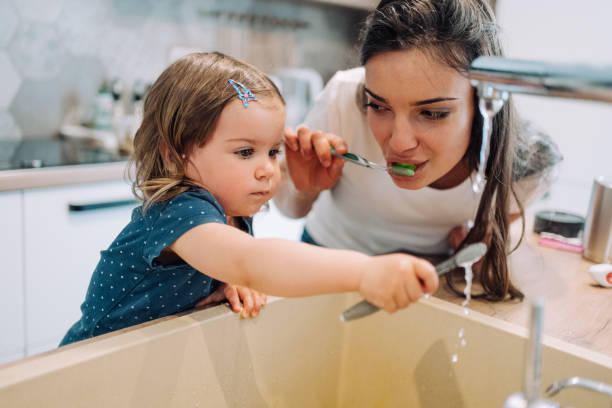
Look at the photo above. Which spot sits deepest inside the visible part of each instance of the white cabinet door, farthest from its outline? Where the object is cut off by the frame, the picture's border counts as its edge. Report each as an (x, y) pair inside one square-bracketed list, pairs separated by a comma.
[(62, 248), (12, 337)]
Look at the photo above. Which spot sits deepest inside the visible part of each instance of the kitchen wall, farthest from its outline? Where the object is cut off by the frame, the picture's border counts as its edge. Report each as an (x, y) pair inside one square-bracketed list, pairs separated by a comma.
[(54, 54)]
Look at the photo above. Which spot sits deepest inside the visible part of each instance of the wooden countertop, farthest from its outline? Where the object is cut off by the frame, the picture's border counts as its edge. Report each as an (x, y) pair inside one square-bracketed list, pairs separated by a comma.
[(577, 311)]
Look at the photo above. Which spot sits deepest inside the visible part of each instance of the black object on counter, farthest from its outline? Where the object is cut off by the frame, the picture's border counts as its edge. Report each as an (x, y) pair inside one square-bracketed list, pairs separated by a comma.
[(101, 205), (558, 222)]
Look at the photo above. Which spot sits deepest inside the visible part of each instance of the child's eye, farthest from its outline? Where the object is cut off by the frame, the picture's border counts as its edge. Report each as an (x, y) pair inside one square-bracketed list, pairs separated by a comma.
[(274, 152), (245, 153), (434, 115)]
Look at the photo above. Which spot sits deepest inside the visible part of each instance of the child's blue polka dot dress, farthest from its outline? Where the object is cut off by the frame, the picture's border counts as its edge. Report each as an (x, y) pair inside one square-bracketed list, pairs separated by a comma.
[(129, 286)]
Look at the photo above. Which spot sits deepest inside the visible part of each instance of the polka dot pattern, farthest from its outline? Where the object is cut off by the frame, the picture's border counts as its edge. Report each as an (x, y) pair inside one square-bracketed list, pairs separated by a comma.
[(129, 286)]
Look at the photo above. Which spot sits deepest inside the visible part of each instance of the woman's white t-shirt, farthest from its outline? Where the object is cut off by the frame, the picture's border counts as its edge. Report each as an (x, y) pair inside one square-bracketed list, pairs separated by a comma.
[(365, 210)]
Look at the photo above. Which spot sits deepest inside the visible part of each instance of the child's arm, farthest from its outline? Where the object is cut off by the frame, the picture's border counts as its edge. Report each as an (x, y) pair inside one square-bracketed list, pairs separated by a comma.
[(291, 269)]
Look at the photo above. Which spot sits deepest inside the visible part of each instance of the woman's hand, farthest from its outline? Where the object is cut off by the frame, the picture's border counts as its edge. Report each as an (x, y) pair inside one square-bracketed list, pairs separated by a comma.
[(252, 300), (309, 160), (394, 281)]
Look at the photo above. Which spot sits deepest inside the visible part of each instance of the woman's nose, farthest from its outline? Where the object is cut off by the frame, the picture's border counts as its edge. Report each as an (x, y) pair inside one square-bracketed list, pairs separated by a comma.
[(403, 136)]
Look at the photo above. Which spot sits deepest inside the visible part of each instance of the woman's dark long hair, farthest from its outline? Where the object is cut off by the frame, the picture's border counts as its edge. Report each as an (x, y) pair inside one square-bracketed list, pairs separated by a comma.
[(456, 32)]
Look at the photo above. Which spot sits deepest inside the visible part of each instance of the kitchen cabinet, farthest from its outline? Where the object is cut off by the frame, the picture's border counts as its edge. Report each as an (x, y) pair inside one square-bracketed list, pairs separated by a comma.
[(12, 337), (65, 228)]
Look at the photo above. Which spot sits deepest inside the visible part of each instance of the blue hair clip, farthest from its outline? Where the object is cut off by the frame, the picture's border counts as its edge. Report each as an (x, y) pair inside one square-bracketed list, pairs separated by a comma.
[(244, 93)]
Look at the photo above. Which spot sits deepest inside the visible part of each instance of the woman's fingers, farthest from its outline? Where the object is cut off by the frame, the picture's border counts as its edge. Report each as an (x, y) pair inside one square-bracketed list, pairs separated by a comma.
[(320, 142), (304, 137), (291, 139)]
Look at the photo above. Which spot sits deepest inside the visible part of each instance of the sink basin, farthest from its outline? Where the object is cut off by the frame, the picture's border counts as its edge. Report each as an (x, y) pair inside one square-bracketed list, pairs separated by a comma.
[(298, 354)]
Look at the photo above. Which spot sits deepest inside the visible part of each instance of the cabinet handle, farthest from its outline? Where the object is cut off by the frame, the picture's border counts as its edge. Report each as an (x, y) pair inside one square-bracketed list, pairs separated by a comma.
[(100, 205)]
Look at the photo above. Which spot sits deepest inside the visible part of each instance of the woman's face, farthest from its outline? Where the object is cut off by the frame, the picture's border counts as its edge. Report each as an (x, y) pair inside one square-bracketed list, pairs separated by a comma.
[(238, 164), (420, 111)]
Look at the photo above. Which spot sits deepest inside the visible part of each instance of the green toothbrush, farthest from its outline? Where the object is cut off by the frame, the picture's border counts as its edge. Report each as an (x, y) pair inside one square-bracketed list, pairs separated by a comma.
[(402, 169)]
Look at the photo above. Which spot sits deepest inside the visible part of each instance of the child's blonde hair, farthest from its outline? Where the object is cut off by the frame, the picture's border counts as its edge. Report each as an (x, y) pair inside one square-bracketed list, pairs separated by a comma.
[(180, 111)]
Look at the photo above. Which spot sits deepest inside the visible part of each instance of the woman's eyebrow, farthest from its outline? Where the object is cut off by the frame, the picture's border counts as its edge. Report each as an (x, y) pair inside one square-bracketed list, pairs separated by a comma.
[(434, 100), (373, 95), (418, 103)]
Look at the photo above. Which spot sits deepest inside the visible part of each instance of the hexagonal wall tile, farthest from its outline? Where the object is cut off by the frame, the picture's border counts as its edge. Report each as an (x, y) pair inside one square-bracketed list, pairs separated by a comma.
[(39, 10), (40, 105), (81, 26), (8, 22), (9, 80), (37, 51)]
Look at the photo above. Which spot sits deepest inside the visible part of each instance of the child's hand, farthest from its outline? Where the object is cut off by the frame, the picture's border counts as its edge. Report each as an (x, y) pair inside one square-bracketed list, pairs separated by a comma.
[(252, 301), (309, 160), (393, 281)]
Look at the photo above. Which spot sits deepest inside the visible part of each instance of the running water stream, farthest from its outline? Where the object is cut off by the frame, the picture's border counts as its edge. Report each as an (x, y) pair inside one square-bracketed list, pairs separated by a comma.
[(467, 291)]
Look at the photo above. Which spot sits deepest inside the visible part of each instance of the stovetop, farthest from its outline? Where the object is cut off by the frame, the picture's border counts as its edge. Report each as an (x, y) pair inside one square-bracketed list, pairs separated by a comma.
[(46, 152)]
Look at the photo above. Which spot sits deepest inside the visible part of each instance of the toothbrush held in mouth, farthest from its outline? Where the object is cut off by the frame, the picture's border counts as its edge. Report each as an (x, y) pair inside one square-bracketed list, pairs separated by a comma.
[(402, 169)]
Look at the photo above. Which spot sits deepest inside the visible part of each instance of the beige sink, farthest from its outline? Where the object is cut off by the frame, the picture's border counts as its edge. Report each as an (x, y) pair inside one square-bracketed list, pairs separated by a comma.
[(298, 354)]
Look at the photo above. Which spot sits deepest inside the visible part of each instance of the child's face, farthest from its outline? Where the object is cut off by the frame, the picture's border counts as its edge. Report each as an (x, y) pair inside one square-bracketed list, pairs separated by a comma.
[(420, 112), (239, 164)]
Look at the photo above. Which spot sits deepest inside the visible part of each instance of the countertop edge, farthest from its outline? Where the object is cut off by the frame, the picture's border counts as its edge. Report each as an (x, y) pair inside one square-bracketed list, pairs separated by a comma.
[(22, 179)]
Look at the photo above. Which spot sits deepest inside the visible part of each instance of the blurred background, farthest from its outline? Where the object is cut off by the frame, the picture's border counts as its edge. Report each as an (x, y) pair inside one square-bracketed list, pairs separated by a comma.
[(67, 63)]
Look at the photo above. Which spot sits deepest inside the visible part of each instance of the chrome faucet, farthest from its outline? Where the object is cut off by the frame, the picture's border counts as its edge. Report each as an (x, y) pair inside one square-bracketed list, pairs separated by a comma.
[(530, 397), (495, 78), (591, 385), (540, 78)]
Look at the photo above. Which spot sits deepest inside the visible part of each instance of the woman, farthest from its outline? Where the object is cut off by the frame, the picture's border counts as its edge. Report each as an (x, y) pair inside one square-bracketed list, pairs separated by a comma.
[(412, 102)]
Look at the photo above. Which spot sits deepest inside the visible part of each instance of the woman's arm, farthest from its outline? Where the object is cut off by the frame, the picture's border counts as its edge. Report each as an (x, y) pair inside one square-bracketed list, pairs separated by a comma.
[(293, 269)]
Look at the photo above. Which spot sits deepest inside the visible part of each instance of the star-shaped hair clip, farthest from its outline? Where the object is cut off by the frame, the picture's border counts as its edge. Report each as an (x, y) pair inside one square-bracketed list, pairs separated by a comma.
[(244, 93)]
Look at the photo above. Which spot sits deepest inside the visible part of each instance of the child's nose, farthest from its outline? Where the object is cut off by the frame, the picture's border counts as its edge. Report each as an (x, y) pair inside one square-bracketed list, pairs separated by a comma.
[(265, 169)]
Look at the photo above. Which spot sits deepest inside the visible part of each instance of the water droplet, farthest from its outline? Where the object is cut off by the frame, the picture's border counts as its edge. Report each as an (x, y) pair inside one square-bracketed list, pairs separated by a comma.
[(463, 343), (461, 332), (426, 296), (454, 358)]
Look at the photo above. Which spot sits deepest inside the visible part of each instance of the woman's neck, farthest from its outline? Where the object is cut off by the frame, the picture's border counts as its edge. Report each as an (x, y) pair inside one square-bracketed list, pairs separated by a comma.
[(453, 178)]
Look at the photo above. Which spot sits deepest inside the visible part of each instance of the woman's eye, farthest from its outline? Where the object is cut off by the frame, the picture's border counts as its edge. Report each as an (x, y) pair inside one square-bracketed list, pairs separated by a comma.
[(245, 153), (434, 115), (375, 107), (274, 152)]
